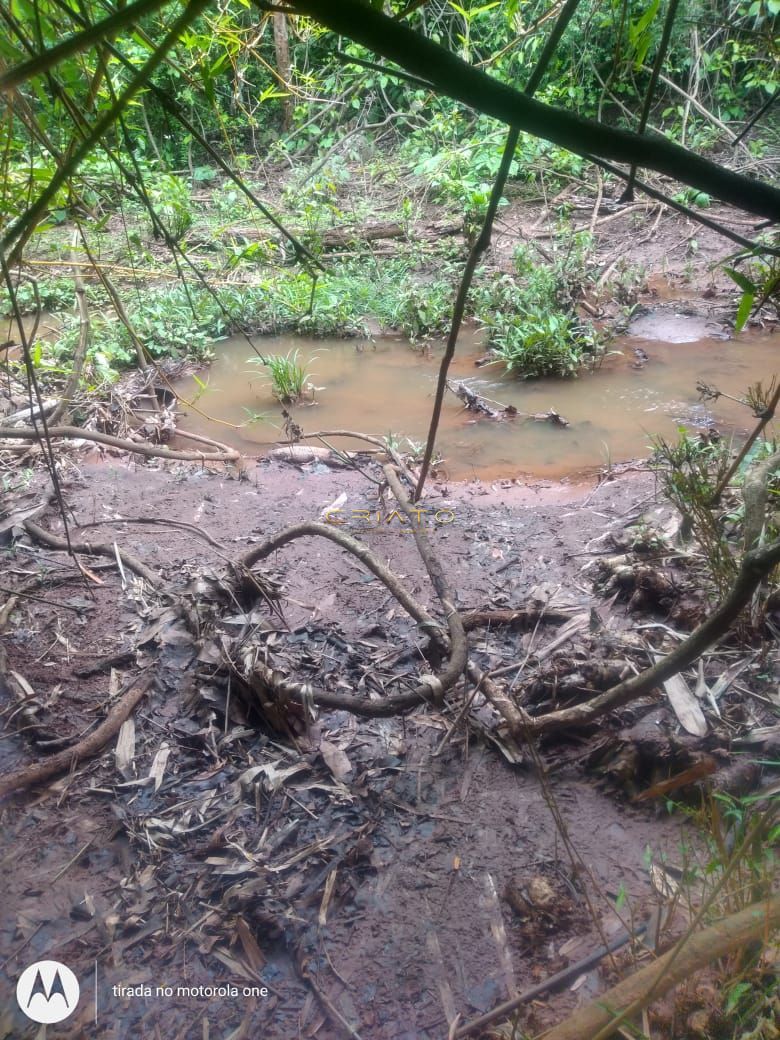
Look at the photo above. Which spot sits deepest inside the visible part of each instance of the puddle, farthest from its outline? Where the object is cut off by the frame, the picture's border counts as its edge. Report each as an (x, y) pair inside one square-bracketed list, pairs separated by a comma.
[(667, 326), (388, 387), (47, 328)]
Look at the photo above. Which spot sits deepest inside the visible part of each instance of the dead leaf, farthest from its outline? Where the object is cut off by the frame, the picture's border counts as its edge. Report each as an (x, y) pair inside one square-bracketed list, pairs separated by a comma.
[(685, 705), (703, 768), (335, 759), (17, 518), (157, 770), (335, 505), (125, 748), (252, 951)]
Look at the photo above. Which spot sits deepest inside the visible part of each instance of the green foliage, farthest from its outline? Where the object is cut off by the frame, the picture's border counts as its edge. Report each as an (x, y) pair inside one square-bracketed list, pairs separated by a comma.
[(289, 379), (733, 864), (730, 823), (184, 320), (690, 471), (54, 294), (531, 318), (172, 203), (458, 157), (760, 284), (535, 342), (223, 76), (691, 197)]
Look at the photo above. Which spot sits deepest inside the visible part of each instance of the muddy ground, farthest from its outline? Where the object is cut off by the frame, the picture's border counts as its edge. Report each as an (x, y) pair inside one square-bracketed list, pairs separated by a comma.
[(377, 887), (339, 876)]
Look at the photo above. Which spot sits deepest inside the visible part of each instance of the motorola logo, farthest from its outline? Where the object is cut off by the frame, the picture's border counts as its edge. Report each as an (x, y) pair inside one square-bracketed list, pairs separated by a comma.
[(47, 992)]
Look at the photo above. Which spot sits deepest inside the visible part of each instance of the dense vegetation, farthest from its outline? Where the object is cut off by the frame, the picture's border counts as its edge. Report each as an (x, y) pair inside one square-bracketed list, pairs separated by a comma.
[(166, 146)]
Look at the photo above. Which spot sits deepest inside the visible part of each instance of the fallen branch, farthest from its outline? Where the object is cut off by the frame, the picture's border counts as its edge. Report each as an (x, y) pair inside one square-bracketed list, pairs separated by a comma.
[(431, 688), (369, 440), (86, 748), (303, 454), (756, 565), (163, 521), (224, 454), (25, 414), (109, 549), (524, 617), (554, 982), (475, 402), (732, 933)]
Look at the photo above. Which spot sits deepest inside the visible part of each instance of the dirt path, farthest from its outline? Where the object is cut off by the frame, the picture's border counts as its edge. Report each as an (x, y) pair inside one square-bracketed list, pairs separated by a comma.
[(385, 884)]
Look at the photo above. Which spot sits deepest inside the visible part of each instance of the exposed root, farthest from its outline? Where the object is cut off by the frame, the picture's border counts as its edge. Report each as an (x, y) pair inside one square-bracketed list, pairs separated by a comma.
[(150, 451), (54, 541), (432, 688), (86, 748), (310, 528), (754, 568)]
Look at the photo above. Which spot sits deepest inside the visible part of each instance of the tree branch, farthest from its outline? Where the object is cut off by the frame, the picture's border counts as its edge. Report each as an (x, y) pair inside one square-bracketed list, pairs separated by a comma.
[(755, 922), (456, 78)]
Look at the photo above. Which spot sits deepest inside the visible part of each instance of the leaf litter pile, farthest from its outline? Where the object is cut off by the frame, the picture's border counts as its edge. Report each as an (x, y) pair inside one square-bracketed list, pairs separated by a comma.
[(281, 774)]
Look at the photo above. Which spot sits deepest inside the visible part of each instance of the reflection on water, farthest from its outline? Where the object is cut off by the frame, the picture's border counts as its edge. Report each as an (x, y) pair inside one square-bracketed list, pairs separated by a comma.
[(388, 387)]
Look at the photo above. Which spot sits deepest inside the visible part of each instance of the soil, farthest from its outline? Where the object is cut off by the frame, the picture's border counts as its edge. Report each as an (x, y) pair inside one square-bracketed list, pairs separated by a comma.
[(334, 876), (384, 887)]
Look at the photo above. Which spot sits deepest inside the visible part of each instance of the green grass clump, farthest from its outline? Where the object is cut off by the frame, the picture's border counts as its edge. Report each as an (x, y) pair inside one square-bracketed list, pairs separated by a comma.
[(531, 315), (536, 342), (288, 377)]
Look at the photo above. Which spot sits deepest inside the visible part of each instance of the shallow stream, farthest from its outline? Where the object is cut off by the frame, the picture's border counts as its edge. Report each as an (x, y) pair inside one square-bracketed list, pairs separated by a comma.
[(387, 387)]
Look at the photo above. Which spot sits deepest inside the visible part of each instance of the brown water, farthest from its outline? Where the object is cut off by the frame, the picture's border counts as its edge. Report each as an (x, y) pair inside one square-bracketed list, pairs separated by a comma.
[(388, 387), (10, 340)]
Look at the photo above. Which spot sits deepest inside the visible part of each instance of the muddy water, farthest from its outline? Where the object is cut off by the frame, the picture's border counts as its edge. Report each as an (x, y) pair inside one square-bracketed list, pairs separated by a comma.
[(388, 387), (10, 340)]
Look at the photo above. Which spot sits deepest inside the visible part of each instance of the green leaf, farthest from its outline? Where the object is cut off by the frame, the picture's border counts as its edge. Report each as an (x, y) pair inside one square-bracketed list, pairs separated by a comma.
[(646, 20), (735, 995), (476, 11), (743, 312), (741, 279)]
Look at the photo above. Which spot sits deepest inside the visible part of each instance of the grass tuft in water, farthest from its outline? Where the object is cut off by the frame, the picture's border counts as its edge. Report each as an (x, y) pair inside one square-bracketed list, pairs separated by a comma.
[(289, 379)]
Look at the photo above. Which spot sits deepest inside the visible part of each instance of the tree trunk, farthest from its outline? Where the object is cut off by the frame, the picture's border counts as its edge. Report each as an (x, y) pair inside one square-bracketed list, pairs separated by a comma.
[(283, 67)]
